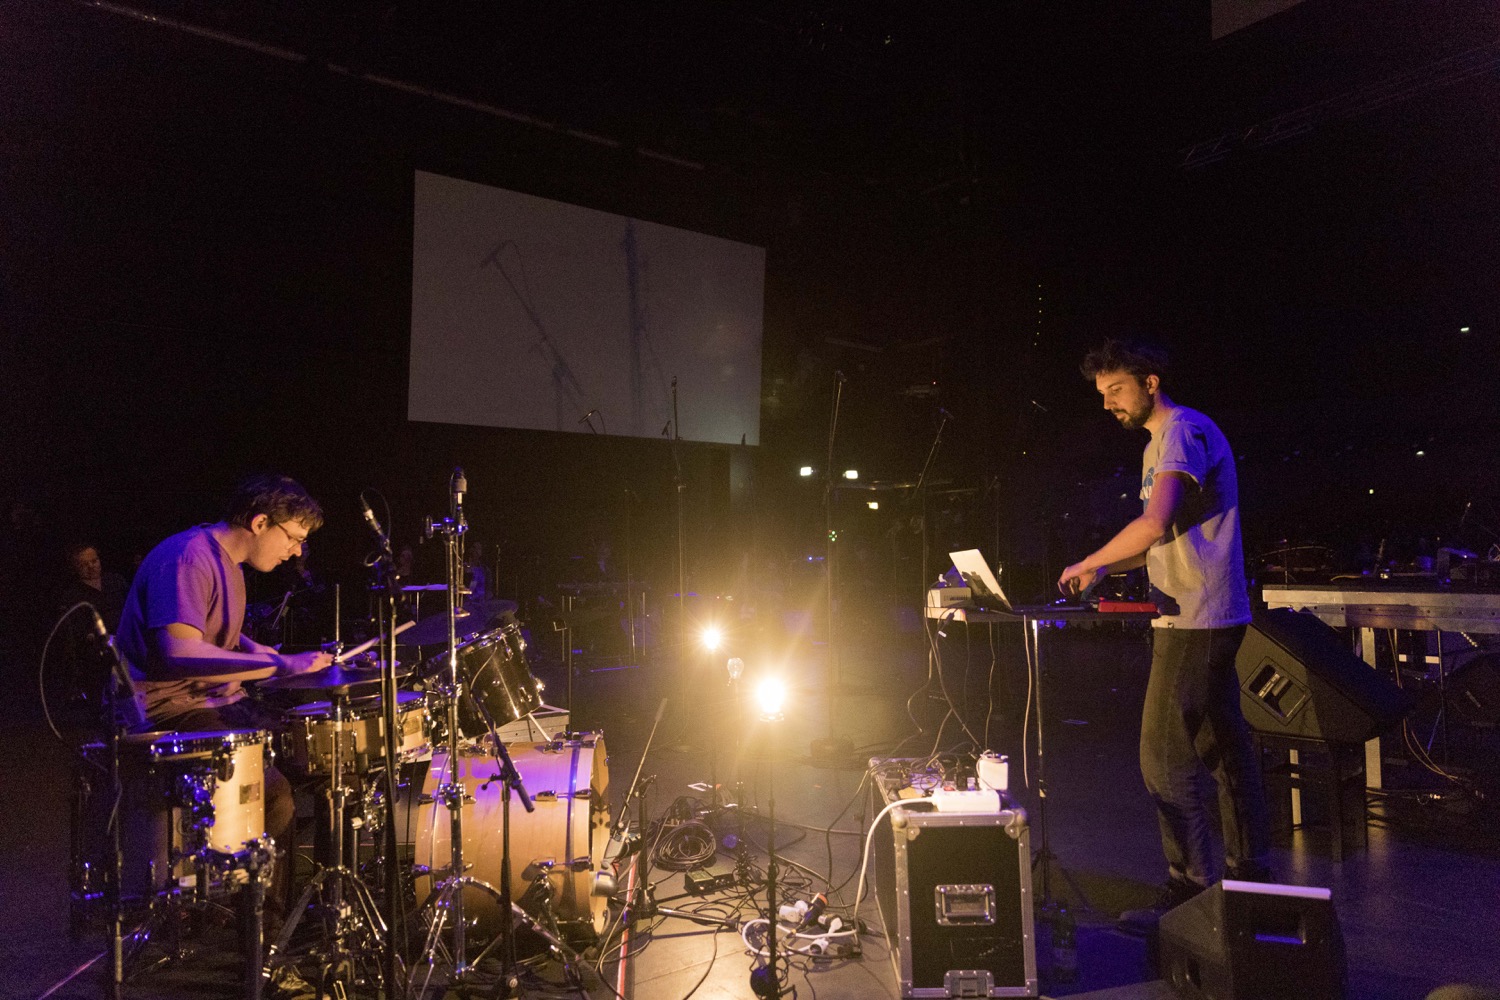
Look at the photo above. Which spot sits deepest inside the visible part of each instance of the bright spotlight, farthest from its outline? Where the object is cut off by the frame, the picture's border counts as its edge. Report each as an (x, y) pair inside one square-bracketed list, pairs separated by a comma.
[(851, 473), (805, 471), (873, 504), (770, 695), (712, 638)]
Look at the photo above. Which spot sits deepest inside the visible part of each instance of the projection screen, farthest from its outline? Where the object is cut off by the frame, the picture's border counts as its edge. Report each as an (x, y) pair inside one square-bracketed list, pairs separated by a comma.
[(531, 313)]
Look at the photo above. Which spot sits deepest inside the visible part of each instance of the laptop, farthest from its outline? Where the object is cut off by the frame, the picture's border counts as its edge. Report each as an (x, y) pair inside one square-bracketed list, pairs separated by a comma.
[(987, 593)]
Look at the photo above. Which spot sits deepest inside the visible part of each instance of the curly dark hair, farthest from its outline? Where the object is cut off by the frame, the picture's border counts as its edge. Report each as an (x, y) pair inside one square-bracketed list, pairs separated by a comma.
[(1135, 357), (281, 498)]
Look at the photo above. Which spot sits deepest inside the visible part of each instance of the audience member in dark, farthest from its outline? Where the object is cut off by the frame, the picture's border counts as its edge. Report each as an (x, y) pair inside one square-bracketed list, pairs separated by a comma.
[(89, 581), (79, 665)]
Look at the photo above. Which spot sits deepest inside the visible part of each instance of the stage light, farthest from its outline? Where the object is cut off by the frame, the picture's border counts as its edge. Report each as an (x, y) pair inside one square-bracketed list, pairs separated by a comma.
[(1463, 329), (770, 695), (851, 473), (711, 637), (873, 504), (805, 471)]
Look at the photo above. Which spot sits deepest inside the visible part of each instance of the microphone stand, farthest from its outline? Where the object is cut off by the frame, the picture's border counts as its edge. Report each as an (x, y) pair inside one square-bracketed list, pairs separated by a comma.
[(921, 492), (116, 854), (389, 694), (642, 904), (383, 568), (681, 530)]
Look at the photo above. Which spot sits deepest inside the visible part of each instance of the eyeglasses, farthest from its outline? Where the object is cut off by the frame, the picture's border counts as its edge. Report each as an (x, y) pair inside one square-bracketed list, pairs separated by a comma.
[(299, 542)]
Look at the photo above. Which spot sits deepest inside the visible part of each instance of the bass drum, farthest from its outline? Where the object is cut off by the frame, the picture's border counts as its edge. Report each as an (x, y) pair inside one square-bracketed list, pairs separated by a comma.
[(559, 847)]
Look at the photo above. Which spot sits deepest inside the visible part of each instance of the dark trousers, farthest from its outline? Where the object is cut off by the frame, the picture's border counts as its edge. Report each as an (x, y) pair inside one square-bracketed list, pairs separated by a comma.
[(281, 805), (1192, 723)]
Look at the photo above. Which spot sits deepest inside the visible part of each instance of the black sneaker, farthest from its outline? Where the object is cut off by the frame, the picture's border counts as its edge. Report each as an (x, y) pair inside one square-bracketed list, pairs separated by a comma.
[(1250, 872), (1171, 895)]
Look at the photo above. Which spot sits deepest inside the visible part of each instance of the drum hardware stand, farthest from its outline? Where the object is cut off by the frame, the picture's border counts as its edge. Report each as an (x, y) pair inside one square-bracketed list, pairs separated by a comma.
[(346, 920), (260, 862), (168, 908)]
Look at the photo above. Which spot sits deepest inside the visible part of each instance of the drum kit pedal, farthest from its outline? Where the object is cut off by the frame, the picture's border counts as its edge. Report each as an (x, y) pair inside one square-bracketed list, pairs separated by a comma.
[(183, 819)]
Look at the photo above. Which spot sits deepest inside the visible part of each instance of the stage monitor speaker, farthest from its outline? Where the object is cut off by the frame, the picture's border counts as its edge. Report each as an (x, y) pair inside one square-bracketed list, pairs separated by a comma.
[(1298, 678), (1474, 691), (1249, 941)]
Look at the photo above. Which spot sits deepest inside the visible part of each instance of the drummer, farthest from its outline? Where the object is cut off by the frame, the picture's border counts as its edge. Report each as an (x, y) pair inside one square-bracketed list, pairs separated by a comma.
[(181, 632)]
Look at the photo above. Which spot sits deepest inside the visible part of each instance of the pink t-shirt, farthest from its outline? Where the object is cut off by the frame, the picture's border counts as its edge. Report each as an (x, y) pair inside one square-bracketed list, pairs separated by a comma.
[(188, 579)]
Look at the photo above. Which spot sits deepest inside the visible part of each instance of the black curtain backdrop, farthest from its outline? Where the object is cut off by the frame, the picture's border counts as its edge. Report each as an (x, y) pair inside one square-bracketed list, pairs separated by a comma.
[(205, 270)]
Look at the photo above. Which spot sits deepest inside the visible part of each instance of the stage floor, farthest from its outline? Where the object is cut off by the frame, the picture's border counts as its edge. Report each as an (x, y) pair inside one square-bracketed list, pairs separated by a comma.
[(1420, 906)]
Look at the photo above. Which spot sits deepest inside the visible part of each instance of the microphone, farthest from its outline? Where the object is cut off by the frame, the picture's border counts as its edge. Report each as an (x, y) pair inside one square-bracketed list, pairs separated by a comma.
[(584, 419), (374, 523), (134, 717), (840, 376), (947, 416), (459, 485)]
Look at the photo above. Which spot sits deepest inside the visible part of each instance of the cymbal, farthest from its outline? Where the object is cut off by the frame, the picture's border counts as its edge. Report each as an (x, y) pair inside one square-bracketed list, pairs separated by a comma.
[(334, 678), (433, 630)]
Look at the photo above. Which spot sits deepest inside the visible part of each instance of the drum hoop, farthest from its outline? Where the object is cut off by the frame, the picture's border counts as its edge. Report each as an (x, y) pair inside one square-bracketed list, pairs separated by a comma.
[(206, 741), (358, 710)]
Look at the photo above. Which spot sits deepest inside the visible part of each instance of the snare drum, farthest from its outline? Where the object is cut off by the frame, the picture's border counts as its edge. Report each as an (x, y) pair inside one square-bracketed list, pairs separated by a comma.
[(187, 793), (307, 744), (563, 841)]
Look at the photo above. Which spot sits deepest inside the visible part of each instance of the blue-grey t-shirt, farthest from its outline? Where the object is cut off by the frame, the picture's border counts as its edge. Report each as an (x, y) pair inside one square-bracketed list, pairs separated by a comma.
[(1197, 569)]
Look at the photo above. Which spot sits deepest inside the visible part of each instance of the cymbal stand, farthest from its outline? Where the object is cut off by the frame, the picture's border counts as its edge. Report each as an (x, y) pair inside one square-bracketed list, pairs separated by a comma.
[(355, 916)]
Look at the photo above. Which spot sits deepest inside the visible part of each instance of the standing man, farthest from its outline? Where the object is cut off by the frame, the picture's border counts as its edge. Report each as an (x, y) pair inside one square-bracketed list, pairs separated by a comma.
[(181, 631), (1188, 538)]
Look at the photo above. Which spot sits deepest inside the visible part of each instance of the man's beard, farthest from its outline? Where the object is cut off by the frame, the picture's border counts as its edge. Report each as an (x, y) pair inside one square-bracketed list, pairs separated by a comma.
[(1135, 421)]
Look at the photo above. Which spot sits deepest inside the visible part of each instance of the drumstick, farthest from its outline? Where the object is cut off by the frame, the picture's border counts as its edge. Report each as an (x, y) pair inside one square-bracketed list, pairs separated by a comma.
[(355, 651)]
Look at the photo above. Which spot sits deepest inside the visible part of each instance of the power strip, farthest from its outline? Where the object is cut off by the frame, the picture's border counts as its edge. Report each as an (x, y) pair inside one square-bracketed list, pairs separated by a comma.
[(969, 800)]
